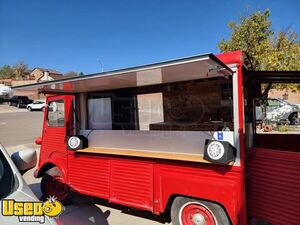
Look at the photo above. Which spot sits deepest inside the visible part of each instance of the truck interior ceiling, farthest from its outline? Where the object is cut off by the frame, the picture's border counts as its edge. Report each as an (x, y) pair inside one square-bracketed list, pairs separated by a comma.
[(198, 105), (276, 110)]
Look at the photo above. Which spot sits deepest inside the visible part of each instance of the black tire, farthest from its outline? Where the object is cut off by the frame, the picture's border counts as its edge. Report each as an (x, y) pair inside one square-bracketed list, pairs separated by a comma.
[(9, 103), (65, 196), (218, 213), (18, 105), (29, 108), (293, 118)]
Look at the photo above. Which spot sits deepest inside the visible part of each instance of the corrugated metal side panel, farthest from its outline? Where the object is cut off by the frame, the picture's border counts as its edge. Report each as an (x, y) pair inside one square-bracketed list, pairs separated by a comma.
[(54, 146), (132, 183), (274, 186), (54, 139), (90, 175)]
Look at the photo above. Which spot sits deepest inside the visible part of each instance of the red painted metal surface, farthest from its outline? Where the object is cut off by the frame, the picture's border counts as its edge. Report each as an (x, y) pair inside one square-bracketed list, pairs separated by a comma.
[(89, 175), (219, 184), (53, 143), (132, 183), (149, 184), (234, 57), (123, 181), (237, 58), (274, 186)]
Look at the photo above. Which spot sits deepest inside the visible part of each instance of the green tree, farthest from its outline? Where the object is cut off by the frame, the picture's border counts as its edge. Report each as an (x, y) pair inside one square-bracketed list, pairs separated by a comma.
[(6, 72), (70, 74), (268, 51), (20, 69)]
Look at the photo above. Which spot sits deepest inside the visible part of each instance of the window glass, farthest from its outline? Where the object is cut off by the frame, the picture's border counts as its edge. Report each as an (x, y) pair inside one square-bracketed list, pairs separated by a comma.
[(99, 111), (273, 103), (274, 115), (150, 110), (6, 177), (56, 114), (200, 105)]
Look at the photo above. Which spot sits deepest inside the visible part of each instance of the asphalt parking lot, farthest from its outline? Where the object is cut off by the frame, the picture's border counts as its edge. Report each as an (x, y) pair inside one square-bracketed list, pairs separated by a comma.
[(18, 130), (18, 127)]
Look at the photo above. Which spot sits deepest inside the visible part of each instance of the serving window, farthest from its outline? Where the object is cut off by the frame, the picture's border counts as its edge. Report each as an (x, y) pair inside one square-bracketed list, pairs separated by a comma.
[(100, 113), (199, 105)]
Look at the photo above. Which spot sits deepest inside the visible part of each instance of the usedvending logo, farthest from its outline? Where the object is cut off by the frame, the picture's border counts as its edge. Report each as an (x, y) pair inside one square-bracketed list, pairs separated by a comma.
[(32, 211)]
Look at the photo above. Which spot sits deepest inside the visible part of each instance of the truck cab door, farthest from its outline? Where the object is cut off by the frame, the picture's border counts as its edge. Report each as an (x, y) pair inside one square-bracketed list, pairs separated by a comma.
[(58, 123)]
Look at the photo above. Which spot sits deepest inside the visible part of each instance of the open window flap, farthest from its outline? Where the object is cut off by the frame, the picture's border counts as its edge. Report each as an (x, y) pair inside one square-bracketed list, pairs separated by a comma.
[(192, 68)]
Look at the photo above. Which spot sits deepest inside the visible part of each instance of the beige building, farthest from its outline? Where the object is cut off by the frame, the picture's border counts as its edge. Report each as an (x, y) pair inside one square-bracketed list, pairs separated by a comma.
[(42, 75), (292, 97), (36, 75)]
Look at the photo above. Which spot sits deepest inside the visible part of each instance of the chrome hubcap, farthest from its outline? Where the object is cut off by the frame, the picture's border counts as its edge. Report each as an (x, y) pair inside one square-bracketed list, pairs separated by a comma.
[(198, 219)]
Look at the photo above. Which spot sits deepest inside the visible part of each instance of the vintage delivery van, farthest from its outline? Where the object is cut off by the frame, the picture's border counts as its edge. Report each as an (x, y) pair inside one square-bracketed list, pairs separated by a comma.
[(178, 136)]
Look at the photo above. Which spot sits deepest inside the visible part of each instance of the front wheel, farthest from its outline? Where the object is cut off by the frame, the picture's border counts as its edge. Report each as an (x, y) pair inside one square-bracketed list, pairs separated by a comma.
[(188, 211), (293, 118), (56, 186), (19, 106), (29, 108)]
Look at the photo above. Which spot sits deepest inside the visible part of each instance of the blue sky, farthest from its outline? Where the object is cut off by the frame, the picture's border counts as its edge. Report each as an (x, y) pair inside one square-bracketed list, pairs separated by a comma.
[(73, 35)]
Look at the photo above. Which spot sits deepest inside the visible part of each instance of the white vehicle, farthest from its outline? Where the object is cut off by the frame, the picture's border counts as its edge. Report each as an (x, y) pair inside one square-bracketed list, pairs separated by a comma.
[(38, 105), (5, 92), (279, 110), (12, 184)]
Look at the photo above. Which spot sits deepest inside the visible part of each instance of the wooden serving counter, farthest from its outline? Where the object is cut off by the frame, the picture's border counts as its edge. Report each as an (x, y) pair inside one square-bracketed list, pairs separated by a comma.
[(145, 154), (184, 126)]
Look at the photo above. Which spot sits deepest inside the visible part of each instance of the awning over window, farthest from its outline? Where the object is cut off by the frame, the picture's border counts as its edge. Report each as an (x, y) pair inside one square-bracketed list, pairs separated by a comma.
[(192, 68)]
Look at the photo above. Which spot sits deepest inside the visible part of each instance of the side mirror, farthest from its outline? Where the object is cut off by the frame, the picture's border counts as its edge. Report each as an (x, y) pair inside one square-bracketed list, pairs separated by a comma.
[(24, 160)]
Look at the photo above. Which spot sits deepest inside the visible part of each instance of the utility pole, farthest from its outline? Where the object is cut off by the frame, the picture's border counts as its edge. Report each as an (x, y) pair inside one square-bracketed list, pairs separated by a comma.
[(101, 65)]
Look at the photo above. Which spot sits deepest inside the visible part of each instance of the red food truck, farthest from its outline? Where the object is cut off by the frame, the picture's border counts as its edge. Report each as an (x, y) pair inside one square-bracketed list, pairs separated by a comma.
[(179, 137)]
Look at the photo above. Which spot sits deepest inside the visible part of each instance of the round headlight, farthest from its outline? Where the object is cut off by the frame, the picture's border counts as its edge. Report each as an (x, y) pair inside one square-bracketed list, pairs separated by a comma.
[(215, 150), (74, 142)]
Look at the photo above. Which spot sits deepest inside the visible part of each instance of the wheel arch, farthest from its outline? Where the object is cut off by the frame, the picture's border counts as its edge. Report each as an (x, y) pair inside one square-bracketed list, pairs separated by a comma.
[(52, 168), (291, 116), (292, 113)]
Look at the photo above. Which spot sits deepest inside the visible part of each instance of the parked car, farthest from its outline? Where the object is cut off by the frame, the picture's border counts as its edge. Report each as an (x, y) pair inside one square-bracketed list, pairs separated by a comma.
[(20, 101), (12, 184), (38, 105), (279, 110), (5, 91)]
